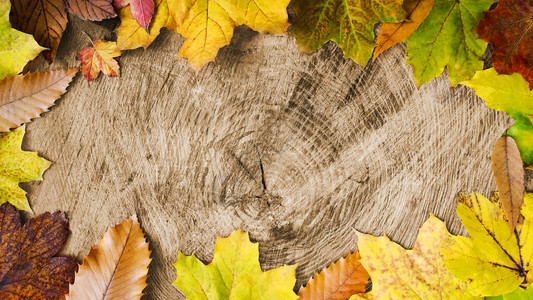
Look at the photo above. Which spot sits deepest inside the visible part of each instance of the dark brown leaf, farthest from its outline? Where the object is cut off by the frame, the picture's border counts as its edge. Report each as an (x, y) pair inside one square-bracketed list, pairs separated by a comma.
[(94, 10), (44, 19), (28, 268)]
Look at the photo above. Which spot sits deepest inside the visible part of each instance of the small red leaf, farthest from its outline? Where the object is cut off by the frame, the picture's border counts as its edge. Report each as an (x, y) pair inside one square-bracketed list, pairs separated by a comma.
[(142, 11)]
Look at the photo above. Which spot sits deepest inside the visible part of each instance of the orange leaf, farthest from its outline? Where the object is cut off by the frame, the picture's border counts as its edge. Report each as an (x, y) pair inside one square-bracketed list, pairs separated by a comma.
[(99, 58), (509, 174), (117, 268), (25, 97), (340, 280), (391, 34)]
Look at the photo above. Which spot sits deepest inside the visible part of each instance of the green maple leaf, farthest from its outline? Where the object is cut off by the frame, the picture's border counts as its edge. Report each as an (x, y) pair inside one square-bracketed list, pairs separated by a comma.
[(348, 23), (234, 273), (511, 94), (16, 48), (446, 38), (17, 166)]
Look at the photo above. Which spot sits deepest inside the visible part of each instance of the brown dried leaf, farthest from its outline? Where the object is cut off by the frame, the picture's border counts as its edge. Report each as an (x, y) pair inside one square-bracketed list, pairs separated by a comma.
[(28, 268), (94, 10), (340, 280), (117, 268), (23, 98), (509, 174), (44, 19)]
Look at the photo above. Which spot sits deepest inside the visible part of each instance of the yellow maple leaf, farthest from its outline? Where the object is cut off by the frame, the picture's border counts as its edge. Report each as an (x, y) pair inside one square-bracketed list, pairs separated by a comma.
[(418, 273), (496, 259), (17, 166), (207, 25), (130, 35)]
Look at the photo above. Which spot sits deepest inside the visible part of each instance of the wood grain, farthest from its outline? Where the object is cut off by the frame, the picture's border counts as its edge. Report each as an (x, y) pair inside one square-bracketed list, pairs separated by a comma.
[(299, 150)]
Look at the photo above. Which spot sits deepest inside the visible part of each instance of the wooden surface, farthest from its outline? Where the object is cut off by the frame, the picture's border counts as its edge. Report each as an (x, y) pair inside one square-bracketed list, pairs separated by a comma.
[(299, 150)]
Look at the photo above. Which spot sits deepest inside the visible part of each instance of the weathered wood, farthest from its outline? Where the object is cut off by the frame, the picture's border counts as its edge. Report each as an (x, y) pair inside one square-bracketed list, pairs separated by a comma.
[(299, 150)]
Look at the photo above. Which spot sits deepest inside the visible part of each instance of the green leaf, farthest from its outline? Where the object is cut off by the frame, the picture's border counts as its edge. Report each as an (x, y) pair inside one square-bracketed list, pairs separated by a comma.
[(234, 273), (17, 166), (518, 294), (348, 23), (447, 38), (511, 94), (16, 48)]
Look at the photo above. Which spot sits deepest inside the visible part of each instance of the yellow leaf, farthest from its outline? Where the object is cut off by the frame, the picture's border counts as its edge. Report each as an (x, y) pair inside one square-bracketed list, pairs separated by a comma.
[(391, 34), (207, 25), (419, 273), (99, 59), (117, 268), (495, 260), (17, 166), (235, 272), (130, 35)]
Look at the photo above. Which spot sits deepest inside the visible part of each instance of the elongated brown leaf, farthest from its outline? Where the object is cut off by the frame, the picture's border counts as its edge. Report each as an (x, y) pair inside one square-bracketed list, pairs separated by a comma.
[(44, 19), (509, 174), (340, 280), (23, 98), (117, 268), (94, 10)]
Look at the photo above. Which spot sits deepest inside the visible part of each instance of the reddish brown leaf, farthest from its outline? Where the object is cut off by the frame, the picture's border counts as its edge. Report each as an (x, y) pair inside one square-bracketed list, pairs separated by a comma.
[(340, 280), (25, 97), (44, 19), (509, 174), (28, 268), (117, 268), (94, 10), (142, 11), (509, 28)]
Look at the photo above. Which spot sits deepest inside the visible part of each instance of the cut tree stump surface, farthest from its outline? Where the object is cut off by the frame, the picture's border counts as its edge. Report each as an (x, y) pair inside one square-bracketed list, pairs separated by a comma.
[(299, 150)]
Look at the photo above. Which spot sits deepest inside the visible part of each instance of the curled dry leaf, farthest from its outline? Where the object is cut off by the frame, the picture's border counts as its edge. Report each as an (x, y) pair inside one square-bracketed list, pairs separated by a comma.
[(340, 280), (509, 174), (94, 10), (391, 34), (29, 268), (99, 59), (44, 19), (419, 273), (235, 272), (117, 268), (23, 98)]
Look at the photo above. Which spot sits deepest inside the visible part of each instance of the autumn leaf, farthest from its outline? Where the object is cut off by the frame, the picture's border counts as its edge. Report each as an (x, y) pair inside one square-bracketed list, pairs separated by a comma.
[(348, 23), (340, 280), (16, 48), (391, 34), (142, 11), (117, 268), (207, 25), (23, 98), (446, 38), (44, 19), (99, 59), (511, 94), (518, 294), (29, 268), (418, 273), (495, 259), (509, 174), (234, 271), (94, 10), (509, 28), (130, 35), (17, 166)]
